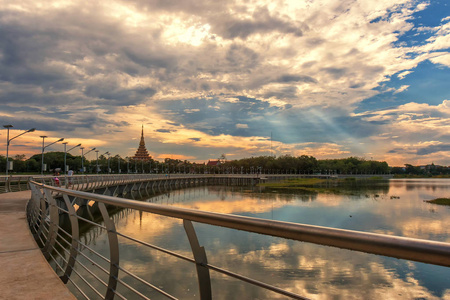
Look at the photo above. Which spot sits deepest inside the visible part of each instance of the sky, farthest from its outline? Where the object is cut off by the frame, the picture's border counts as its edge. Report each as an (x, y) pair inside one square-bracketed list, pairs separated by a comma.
[(329, 78)]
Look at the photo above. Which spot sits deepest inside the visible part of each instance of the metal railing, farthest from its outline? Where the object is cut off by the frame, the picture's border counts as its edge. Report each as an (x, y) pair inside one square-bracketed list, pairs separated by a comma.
[(16, 183), (76, 182), (64, 248), (86, 182)]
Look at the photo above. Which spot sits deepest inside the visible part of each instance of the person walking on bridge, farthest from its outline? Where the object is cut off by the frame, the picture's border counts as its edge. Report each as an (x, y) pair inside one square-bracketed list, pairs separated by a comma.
[(56, 179), (70, 174)]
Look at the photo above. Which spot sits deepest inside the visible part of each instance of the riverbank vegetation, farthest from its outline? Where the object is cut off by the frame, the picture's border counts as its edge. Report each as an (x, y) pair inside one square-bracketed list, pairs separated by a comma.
[(308, 185), (421, 176), (440, 201), (347, 186), (285, 164), (426, 171), (293, 183)]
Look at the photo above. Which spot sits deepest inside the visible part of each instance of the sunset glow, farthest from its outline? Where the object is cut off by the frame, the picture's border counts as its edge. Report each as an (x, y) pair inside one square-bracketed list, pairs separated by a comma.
[(325, 78)]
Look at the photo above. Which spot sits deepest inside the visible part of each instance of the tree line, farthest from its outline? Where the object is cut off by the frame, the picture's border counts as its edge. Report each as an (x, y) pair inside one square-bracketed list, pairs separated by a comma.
[(307, 165), (285, 164), (421, 171)]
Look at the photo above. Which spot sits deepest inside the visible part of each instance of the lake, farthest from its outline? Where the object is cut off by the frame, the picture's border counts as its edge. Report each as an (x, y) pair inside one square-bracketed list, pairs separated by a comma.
[(394, 207)]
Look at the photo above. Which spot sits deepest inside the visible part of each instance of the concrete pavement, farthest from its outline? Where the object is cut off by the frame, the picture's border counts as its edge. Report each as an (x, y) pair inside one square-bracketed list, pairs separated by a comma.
[(24, 272)]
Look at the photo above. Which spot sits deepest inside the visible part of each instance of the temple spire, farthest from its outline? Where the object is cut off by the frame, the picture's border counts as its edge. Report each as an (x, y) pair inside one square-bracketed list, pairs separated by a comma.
[(141, 152)]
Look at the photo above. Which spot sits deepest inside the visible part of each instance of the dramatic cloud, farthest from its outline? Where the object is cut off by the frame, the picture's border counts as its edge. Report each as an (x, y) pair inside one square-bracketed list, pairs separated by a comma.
[(310, 73)]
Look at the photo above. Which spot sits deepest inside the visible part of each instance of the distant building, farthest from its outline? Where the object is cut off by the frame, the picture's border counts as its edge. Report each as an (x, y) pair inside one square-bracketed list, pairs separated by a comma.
[(213, 163), (429, 168), (141, 152)]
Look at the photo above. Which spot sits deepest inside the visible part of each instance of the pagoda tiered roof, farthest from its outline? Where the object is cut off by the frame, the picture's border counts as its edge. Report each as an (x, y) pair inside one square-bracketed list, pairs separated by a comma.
[(141, 152)]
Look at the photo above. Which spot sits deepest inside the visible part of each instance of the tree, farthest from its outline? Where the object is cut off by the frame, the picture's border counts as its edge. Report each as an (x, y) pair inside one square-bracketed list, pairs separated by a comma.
[(20, 157), (55, 160)]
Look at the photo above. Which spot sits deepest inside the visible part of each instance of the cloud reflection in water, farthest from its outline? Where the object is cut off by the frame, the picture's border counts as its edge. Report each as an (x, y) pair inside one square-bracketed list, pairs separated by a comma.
[(314, 271)]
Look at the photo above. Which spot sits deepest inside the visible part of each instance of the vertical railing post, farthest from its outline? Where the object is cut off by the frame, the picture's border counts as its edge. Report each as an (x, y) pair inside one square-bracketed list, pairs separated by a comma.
[(8, 183), (75, 237), (204, 280), (113, 252), (88, 182), (54, 220), (19, 183), (33, 208), (43, 213)]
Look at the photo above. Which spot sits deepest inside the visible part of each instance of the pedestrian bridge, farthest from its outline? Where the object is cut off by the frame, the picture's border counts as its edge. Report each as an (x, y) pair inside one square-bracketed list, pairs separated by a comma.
[(63, 246), (89, 182)]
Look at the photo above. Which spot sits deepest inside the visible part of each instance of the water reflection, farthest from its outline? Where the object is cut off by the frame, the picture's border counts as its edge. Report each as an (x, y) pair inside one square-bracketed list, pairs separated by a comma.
[(318, 272)]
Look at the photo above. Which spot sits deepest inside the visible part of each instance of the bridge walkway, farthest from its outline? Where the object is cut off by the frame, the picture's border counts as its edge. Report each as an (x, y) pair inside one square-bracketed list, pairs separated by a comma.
[(24, 272)]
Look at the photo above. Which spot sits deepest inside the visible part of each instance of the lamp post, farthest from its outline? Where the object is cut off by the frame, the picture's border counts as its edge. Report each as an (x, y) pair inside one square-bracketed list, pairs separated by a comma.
[(82, 157), (107, 153), (96, 151), (8, 141), (118, 162), (109, 168), (128, 164), (43, 148), (65, 155)]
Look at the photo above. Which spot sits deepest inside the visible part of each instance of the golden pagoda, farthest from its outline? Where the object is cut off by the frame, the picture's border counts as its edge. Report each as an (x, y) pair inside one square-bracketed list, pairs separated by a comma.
[(141, 152)]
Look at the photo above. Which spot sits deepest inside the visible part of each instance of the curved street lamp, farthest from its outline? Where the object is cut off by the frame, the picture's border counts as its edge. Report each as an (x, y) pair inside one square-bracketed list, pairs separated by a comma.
[(82, 157), (8, 141), (65, 155), (43, 148), (96, 151)]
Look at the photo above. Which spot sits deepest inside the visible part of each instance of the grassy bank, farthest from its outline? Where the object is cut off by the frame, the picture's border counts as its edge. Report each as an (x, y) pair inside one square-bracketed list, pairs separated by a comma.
[(343, 186), (420, 176), (440, 201), (309, 185), (293, 183)]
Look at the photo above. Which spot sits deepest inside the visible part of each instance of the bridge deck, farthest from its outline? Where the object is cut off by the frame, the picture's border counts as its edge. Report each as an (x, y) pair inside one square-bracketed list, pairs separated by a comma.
[(24, 272)]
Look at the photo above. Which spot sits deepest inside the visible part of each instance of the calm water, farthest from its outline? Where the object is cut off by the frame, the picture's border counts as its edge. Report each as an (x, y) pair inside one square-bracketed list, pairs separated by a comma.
[(318, 272)]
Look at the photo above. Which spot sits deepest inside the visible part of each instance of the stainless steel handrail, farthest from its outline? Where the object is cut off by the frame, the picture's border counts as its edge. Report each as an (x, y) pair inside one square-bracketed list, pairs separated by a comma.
[(14, 183), (437, 253), (426, 251)]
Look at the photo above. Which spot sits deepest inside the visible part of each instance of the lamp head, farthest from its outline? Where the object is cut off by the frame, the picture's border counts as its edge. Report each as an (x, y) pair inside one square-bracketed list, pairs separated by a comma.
[(60, 140), (92, 149), (78, 145), (43, 136), (65, 143), (7, 126), (31, 130)]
